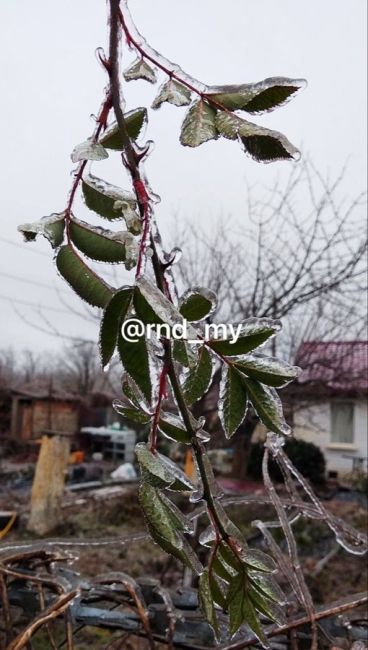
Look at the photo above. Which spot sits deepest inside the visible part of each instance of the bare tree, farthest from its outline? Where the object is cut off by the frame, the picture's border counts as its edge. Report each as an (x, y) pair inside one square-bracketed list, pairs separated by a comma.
[(80, 372), (299, 256)]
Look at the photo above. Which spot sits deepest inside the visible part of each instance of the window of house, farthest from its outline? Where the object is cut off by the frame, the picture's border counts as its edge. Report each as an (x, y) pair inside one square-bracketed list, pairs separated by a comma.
[(342, 420)]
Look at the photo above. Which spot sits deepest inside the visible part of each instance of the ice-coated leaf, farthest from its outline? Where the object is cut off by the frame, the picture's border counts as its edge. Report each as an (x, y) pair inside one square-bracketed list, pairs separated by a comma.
[(257, 97), (227, 556), (106, 199), (268, 146), (131, 217), (160, 471), (99, 244), (257, 560), (233, 400), (199, 378), (134, 393), (223, 571), (135, 121), (217, 591), (253, 333), (174, 93), (157, 514), (183, 353), (134, 356), (185, 553), (268, 370), (269, 609), (241, 608), (267, 405), (88, 150), (139, 69), (267, 586), (197, 303), (173, 428), (85, 282), (199, 125), (263, 145), (206, 601), (160, 309), (51, 227), (130, 413), (112, 319)]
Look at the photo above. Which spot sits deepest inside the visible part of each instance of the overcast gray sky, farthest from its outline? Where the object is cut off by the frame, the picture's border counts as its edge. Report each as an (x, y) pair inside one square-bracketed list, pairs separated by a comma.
[(52, 83)]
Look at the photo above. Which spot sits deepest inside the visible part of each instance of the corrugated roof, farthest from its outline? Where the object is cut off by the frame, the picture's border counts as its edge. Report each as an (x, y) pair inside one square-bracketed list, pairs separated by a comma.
[(341, 366)]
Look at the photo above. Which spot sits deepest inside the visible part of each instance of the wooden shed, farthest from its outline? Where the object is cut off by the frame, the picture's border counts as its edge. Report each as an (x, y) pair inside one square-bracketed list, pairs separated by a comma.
[(36, 411)]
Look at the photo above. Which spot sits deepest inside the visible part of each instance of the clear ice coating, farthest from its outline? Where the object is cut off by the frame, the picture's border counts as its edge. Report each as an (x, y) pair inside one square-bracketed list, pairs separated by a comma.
[(113, 192), (51, 227), (162, 307), (173, 93), (140, 69), (357, 544), (256, 97), (271, 368), (208, 536), (167, 65), (199, 125), (131, 217), (88, 150)]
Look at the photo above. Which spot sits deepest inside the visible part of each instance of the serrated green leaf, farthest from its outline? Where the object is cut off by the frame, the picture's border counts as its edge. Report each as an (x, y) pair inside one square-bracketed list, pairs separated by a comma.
[(268, 370), (51, 227), (88, 150), (185, 554), (160, 471), (135, 359), (206, 601), (140, 69), (263, 145), (143, 309), (221, 570), (199, 125), (217, 591), (226, 555), (267, 405), (173, 427), (197, 303), (89, 286), (134, 120), (265, 607), (157, 514), (160, 310), (253, 333), (233, 400), (267, 586), (257, 97), (99, 244), (112, 319), (241, 608), (131, 413), (268, 147), (183, 353), (133, 392), (106, 199), (199, 378), (174, 93), (259, 561)]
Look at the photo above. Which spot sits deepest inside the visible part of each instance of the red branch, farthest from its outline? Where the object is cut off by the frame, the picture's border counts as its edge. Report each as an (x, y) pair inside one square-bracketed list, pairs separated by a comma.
[(161, 395), (101, 122)]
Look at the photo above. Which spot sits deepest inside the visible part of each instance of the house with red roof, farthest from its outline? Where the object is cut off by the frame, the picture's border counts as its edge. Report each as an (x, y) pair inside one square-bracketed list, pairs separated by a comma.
[(330, 401)]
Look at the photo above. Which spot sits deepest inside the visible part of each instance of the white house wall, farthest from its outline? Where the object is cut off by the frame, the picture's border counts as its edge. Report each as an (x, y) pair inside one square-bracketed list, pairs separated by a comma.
[(313, 424)]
